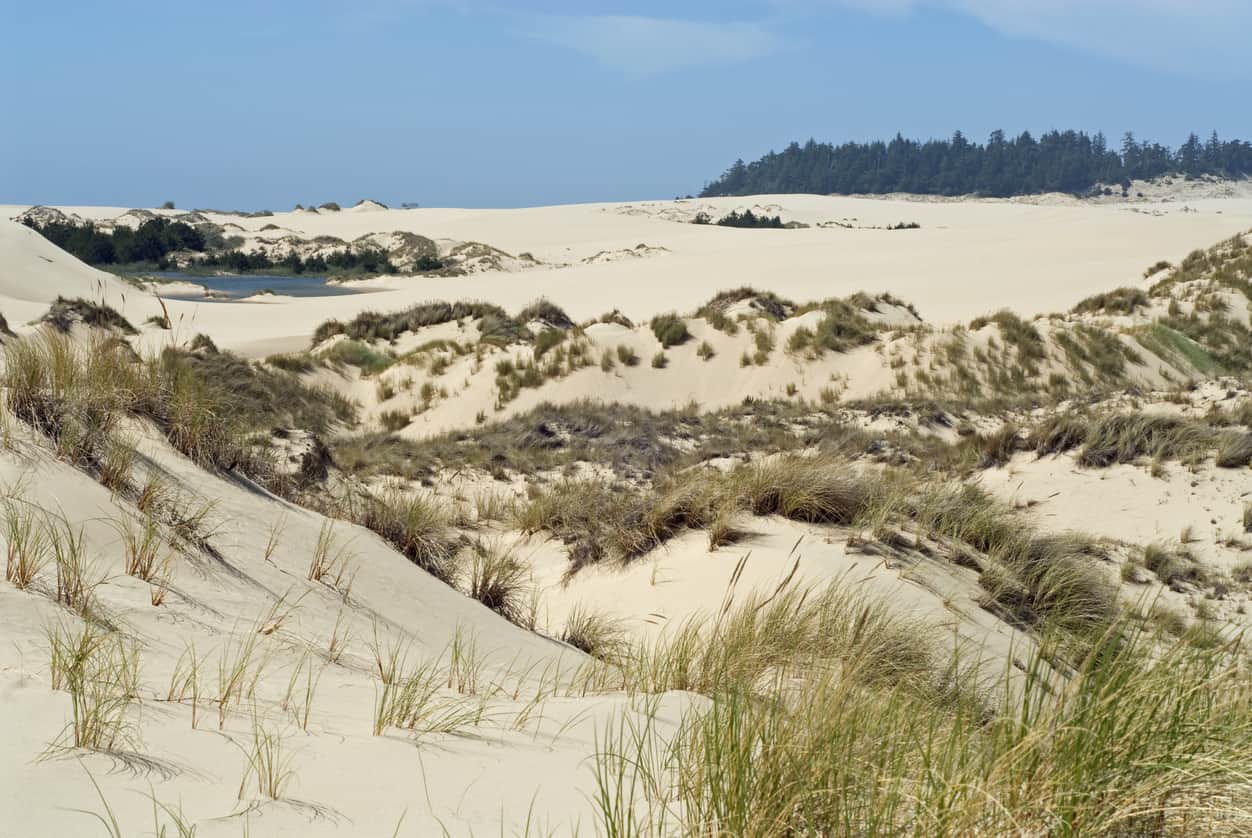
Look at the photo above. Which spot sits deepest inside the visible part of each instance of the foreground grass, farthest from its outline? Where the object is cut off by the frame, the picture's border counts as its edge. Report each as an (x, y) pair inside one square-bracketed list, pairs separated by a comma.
[(829, 717)]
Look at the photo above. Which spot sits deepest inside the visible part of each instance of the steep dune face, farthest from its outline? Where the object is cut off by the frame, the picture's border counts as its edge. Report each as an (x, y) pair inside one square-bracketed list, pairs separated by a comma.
[(304, 646), (34, 272)]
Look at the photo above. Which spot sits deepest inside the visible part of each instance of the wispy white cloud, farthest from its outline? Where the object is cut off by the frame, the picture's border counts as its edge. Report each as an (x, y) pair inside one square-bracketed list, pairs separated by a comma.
[(643, 46), (1199, 37)]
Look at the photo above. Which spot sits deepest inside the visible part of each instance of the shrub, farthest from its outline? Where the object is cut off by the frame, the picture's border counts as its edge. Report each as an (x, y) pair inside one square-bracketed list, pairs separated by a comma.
[(670, 329), (748, 219), (626, 355), (660, 361), (705, 350)]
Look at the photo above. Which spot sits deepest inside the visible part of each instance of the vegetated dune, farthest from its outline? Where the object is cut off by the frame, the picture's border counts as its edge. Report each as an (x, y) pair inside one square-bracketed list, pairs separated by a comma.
[(757, 562)]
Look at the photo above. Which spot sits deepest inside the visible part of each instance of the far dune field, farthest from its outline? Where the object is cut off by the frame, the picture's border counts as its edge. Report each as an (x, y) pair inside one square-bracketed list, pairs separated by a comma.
[(968, 258)]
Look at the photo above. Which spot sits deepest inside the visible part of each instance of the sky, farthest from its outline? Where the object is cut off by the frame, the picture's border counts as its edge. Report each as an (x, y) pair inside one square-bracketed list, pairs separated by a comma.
[(268, 103)]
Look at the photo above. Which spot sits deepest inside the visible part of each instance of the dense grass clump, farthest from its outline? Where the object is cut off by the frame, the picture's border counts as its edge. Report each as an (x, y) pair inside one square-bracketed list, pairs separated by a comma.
[(499, 580), (812, 489), (841, 329), (1124, 438), (767, 303), (1118, 301), (997, 448), (1059, 433), (64, 313), (1177, 348), (547, 312), (1016, 333), (1234, 450), (372, 325), (415, 525), (670, 329), (360, 355), (72, 394), (297, 363), (257, 398)]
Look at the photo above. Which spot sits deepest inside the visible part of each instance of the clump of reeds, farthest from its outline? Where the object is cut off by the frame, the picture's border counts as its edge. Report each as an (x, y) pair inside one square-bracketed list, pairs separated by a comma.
[(100, 671), (26, 543), (495, 577), (416, 525)]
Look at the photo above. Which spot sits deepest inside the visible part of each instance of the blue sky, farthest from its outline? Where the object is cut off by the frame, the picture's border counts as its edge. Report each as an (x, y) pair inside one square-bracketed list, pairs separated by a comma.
[(463, 103)]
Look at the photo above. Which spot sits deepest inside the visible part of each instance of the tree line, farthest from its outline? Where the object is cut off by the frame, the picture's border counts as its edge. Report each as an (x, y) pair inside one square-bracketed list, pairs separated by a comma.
[(152, 242), (1058, 161)]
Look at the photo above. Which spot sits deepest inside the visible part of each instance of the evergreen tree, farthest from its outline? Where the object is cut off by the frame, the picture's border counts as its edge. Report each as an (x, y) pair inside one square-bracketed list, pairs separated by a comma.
[(1062, 161)]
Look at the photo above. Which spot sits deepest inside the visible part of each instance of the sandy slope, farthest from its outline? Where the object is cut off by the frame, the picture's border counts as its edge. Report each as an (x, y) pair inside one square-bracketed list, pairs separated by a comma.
[(346, 781)]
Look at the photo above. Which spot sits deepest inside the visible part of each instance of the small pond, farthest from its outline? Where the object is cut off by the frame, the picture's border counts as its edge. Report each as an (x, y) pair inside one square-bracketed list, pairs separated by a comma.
[(234, 287)]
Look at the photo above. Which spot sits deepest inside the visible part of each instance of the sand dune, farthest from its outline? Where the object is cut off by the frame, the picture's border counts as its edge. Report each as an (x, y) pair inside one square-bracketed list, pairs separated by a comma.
[(958, 542)]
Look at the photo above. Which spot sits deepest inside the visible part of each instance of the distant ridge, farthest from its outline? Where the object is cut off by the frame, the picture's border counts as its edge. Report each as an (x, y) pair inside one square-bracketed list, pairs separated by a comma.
[(1058, 161)]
